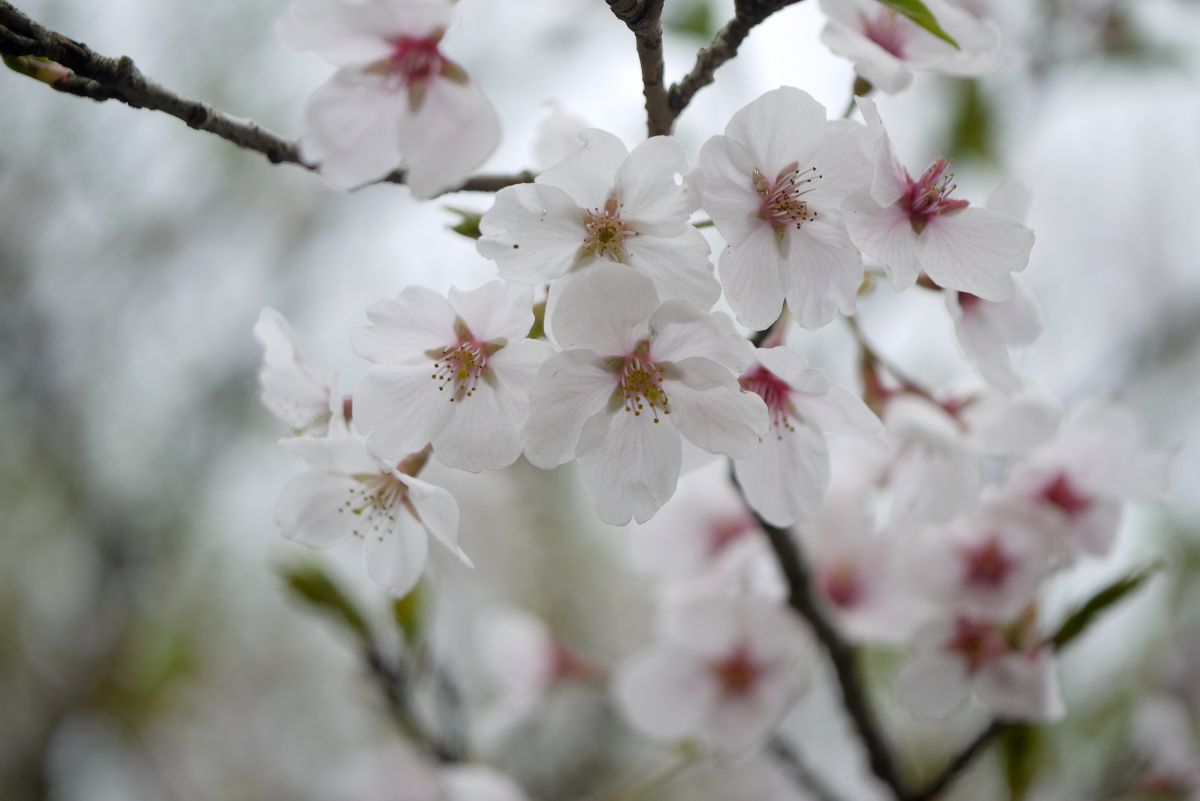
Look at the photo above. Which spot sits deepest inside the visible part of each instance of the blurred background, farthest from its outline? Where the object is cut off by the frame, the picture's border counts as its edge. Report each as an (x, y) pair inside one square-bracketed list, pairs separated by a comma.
[(149, 648)]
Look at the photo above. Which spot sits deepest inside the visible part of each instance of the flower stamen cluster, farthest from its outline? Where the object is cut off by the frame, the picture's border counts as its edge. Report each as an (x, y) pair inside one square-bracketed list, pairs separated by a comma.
[(775, 392), (929, 195), (642, 384), (605, 233), (782, 203)]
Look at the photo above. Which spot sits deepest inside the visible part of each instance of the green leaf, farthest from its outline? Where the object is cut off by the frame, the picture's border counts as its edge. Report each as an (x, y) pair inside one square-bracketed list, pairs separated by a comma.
[(468, 225), (1021, 756), (696, 20), (311, 584), (918, 13), (971, 130), (408, 613), (1082, 618)]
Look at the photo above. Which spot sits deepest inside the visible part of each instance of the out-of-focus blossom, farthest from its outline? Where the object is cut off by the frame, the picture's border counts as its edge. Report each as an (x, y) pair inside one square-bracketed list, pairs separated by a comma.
[(291, 388)]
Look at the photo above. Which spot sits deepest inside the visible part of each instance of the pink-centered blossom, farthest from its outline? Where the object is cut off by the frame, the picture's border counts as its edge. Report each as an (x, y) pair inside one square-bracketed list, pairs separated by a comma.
[(636, 376), (785, 478), (396, 99), (452, 372), (886, 46), (604, 204), (914, 225), (724, 672), (774, 185), (348, 492)]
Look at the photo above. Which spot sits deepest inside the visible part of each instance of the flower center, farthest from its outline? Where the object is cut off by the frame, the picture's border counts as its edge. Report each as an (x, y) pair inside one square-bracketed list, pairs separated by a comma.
[(605, 233), (775, 392), (842, 585), (781, 201), (415, 61), (375, 500), (641, 383), (1066, 496), (737, 673), (726, 531), (886, 29), (929, 196), (977, 644), (460, 366), (987, 565)]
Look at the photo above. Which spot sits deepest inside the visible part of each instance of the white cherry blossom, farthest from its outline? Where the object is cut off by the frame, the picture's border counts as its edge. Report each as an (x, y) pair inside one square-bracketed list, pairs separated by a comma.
[(396, 99), (604, 205), (452, 372), (912, 226), (725, 672), (633, 378), (291, 388), (348, 492), (785, 478), (886, 46), (774, 184), (1004, 667), (468, 782)]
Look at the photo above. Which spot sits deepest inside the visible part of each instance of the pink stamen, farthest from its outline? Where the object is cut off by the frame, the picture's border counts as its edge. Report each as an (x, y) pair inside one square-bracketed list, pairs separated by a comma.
[(976, 643), (929, 196), (781, 201), (987, 565), (461, 366), (737, 673), (1064, 495), (416, 61), (775, 392)]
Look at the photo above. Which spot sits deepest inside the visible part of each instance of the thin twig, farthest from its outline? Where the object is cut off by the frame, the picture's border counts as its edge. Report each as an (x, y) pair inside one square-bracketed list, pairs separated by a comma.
[(644, 18), (799, 771), (960, 762), (102, 78)]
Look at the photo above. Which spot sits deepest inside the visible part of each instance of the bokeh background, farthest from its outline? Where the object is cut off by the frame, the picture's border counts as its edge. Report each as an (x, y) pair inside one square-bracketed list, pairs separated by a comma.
[(150, 651)]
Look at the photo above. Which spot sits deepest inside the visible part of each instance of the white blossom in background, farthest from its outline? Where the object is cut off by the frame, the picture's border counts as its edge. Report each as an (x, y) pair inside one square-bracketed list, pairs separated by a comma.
[(1003, 667), (469, 782), (886, 46), (725, 672), (452, 372), (604, 204), (912, 226), (785, 478), (396, 100), (348, 492), (634, 377), (291, 388), (773, 185), (558, 136), (1095, 462), (988, 331)]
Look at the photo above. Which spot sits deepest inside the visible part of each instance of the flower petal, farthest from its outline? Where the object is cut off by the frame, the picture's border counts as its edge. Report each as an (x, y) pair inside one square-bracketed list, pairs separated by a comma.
[(532, 232), (400, 409), (403, 330), (588, 175), (779, 128), (496, 311), (570, 387), (351, 127), (823, 273), (629, 464), (786, 476), (750, 273), (726, 170), (438, 512), (453, 132), (680, 331), (976, 251), (665, 693), (651, 200), (310, 510), (678, 266), (885, 234), (711, 410), (477, 435), (603, 309), (395, 558)]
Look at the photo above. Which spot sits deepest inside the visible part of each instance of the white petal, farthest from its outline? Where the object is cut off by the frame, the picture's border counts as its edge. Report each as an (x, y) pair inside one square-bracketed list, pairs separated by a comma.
[(400, 409), (343, 455), (781, 127), (885, 234), (346, 33), (665, 693), (726, 171), (975, 251), (291, 388), (495, 311), (629, 464), (438, 512), (840, 411), (557, 136), (395, 558), (786, 476), (478, 783), (451, 135), (310, 510), (588, 175), (711, 410), (844, 163), (351, 128), (532, 232), (885, 72), (570, 387), (678, 266), (680, 331), (406, 329), (935, 684), (651, 200), (477, 435), (822, 273), (750, 273), (1022, 687), (512, 371), (603, 309), (891, 179)]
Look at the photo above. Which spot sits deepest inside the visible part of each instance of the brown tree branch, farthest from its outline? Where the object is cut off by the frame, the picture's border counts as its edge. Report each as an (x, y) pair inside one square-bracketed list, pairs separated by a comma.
[(644, 18), (102, 78), (724, 46), (960, 762), (800, 772)]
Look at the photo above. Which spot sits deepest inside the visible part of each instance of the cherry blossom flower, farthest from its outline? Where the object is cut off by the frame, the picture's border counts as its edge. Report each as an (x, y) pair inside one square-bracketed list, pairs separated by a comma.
[(725, 672), (1003, 666), (477, 783), (988, 331), (785, 478), (886, 46), (913, 225), (558, 136), (291, 388), (633, 378), (454, 373), (774, 185), (604, 205), (396, 100), (1096, 461), (348, 492)]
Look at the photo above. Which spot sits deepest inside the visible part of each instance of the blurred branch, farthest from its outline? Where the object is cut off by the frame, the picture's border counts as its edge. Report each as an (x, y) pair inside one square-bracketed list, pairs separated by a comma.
[(791, 763), (724, 46), (644, 18), (101, 78), (960, 762)]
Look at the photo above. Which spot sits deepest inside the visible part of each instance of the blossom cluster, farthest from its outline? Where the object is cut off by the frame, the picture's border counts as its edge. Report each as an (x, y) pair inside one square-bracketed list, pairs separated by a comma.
[(609, 340)]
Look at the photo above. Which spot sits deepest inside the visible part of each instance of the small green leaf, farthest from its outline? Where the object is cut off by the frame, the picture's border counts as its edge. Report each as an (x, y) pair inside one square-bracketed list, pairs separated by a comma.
[(696, 19), (310, 583), (1082, 618), (538, 330), (1021, 755), (918, 13), (408, 613), (468, 224)]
